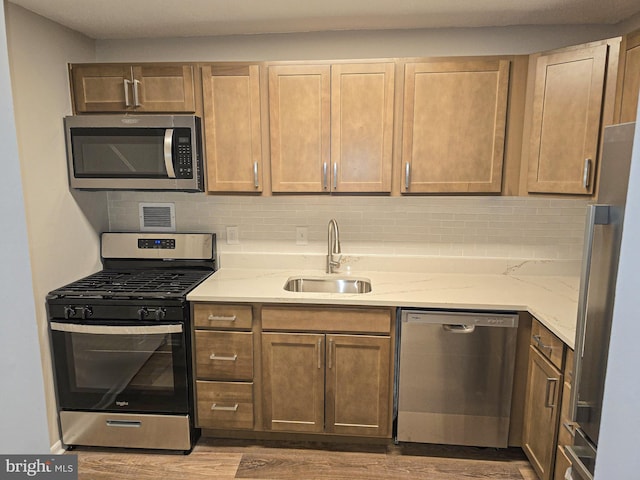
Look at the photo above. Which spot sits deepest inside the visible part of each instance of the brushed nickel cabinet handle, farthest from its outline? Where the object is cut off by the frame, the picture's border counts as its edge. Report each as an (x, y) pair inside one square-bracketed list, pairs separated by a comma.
[(335, 175), (586, 173), (126, 84), (407, 175), (325, 178), (256, 183), (550, 403), (541, 344), (213, 356), (136, 95), (215, 406), (222, 318), (330, 360), (319, 353), (571, 427)]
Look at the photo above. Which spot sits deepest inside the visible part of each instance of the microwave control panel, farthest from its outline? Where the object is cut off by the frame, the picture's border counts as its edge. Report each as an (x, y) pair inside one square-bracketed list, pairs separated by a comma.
[(182, 153)]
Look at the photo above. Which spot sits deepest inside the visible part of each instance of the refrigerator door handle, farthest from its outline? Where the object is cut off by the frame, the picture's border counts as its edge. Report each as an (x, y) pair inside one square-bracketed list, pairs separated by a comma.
[(596, 215)]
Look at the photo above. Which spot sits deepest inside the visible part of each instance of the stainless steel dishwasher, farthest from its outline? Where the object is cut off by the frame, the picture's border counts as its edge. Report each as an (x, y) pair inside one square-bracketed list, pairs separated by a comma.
[(455, 377)]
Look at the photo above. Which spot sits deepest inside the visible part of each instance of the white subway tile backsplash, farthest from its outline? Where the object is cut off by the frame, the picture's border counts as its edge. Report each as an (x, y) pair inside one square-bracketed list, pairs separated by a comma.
[(505, 227)]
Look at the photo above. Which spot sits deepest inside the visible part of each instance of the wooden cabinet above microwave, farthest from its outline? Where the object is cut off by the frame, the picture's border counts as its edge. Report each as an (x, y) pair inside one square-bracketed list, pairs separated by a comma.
[(103, 88)]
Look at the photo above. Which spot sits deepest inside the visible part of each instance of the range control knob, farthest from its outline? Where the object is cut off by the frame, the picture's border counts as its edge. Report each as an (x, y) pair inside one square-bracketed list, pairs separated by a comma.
[(143, 313), (87, 312), (160, 313), (69, 312)]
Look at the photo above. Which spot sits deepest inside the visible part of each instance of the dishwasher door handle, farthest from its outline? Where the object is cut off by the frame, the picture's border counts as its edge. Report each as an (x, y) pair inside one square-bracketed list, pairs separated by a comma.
[(458, 328)]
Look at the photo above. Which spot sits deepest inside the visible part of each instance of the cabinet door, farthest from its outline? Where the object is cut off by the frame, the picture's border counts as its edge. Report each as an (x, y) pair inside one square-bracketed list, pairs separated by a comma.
[(299, 114), (362, 127), (454, 126), (631, 84), (232, 128), (161, 88), (101, 88), (293, 382), (542, 411), (566, 114), (357, 385)]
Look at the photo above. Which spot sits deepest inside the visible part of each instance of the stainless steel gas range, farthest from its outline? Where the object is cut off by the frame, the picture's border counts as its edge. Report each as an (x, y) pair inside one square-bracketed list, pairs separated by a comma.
[(121, 343)]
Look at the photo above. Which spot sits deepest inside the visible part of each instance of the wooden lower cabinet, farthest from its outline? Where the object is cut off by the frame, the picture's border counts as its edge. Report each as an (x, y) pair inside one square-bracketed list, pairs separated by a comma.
[(293, 382), (224, 366), (562, 463), (357, 385), (225, 404), (542, 411), (335, 384)]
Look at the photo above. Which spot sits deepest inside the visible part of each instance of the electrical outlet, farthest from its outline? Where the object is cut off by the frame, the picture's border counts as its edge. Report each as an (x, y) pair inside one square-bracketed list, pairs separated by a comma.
[(232, 236), (302, 235)]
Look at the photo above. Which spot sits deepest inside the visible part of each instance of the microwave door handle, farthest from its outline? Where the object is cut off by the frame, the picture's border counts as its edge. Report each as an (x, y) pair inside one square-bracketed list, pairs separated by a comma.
[(168, 152)]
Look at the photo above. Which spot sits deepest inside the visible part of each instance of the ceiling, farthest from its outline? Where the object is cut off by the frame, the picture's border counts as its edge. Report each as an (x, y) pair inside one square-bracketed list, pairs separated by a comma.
[(120, 19)]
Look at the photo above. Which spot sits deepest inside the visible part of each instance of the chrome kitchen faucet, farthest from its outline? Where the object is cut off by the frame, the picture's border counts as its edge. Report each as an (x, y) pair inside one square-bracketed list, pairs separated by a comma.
[(333, 246)]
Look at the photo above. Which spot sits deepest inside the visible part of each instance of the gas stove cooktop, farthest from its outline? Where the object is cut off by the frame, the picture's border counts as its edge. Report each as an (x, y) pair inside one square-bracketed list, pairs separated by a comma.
[(168, 283), (146, 266)]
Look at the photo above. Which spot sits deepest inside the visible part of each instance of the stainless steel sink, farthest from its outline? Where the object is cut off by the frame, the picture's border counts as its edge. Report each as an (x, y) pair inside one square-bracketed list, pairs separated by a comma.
[(328, 285)]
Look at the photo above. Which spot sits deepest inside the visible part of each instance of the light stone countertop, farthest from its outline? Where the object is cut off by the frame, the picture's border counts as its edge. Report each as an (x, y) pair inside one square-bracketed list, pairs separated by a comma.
[(552, 299)]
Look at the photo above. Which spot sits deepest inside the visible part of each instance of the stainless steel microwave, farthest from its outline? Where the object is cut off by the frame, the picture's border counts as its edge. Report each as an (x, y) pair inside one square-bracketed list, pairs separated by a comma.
[(134, 152)]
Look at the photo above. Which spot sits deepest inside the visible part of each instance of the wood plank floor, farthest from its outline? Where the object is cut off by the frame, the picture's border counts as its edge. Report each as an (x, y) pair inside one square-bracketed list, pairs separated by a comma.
[(260, 460)]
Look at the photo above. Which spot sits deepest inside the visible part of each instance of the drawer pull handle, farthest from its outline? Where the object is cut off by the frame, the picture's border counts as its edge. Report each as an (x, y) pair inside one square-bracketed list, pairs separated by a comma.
[(541, 345), (571, 426), (124, 423), (215, 406), (213, 356), (222, 318), (549, 400)]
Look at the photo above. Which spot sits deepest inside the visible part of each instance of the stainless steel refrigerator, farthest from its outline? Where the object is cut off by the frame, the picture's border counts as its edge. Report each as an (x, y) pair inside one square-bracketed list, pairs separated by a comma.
[(603, 234)]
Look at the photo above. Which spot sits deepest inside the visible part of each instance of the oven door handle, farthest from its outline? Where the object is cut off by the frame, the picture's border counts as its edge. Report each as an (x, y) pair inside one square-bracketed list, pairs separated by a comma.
[(117, 330)]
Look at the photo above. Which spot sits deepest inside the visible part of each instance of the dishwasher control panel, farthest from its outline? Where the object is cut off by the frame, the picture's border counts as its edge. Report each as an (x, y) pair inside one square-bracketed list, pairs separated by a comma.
[(461, 318)]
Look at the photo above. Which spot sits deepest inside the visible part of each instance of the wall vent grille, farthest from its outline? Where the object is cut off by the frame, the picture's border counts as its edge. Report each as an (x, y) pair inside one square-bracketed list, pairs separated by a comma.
[(157, 217)]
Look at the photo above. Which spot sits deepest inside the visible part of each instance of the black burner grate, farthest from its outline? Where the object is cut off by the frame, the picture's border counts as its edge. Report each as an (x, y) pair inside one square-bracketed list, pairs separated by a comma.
[(135, 283)]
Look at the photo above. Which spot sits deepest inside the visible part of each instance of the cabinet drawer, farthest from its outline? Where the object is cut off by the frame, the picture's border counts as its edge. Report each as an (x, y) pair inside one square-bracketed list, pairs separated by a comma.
[(547, 343), (225, 405), (568, 365), (313, 319), (222, 316), (224, 355)]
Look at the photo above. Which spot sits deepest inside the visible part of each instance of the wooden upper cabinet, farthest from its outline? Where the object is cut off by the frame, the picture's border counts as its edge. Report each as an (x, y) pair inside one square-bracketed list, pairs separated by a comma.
[(150, 88), (454, 126), (331, 127), (566, 117), (232, 128), (299, 115), (631, 79), (362, 127)]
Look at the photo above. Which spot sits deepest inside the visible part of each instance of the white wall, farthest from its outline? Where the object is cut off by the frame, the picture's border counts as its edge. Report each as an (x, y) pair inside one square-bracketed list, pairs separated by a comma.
[(63, 228), (353, 44), (22, 404)]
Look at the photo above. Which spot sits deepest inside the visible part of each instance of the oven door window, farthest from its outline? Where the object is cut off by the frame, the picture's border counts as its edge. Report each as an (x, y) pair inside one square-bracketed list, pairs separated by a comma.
[(135, 368)]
